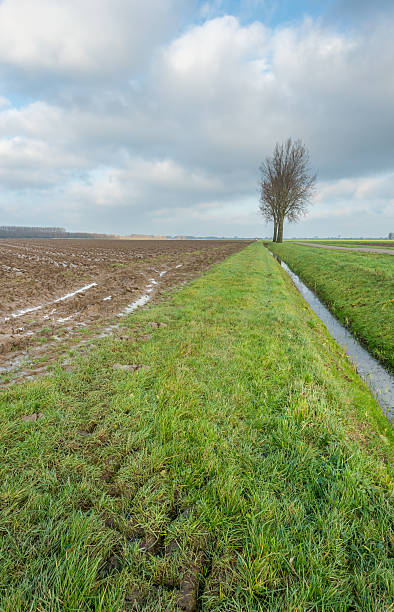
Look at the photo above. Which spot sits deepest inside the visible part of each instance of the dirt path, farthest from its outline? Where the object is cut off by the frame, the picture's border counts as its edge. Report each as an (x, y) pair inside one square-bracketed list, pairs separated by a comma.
[(361, 249)]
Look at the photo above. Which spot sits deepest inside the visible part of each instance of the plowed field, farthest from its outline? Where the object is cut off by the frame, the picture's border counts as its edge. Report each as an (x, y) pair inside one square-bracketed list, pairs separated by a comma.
[(56, 288)]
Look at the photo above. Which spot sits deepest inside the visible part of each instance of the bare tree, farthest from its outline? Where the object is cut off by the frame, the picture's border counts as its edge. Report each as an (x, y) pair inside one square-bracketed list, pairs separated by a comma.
[(286, 185)]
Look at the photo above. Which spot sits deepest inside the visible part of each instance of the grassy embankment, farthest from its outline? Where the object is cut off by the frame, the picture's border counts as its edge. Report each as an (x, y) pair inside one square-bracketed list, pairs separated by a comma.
[(372, 244), (357, 287), (246, 469)]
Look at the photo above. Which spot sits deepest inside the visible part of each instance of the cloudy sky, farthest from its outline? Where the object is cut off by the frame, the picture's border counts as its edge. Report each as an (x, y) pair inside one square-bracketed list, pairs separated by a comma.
[(152, 117)]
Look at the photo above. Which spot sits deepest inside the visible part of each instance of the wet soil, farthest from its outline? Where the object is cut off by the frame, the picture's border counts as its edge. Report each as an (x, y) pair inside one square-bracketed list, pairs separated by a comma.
[(54, 291)]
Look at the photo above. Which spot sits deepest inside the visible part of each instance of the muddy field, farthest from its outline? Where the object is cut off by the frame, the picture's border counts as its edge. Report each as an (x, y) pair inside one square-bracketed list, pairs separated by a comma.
[(51, 290)]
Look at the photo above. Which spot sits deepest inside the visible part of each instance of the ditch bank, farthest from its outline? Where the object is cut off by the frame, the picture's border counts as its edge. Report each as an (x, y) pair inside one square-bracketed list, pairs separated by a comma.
[(378, 379)]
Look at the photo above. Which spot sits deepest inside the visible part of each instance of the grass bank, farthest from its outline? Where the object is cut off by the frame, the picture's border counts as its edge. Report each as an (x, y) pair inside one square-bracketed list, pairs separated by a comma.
[(246, 468), (384, 244), (357, 287)]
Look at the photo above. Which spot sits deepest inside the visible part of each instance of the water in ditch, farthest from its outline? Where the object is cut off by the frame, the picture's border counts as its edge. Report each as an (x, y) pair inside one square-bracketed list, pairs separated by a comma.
[(379, 380)]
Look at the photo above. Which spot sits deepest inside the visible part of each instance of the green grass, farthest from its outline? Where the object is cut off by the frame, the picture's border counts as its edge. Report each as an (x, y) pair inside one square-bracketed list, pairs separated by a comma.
[(373, 244), (357, 287), (249, 458)]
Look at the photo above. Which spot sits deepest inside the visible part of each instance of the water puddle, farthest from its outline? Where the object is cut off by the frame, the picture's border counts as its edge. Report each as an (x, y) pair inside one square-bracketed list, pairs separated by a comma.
[(378, 379), (68, 295), (141, 301), (20, 313), (149, 292), (64, 319), (144, 298)]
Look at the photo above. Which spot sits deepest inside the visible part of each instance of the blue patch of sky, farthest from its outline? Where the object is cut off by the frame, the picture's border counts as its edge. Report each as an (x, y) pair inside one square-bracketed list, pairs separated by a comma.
[(270, 12), (14, 100), (18, 101)]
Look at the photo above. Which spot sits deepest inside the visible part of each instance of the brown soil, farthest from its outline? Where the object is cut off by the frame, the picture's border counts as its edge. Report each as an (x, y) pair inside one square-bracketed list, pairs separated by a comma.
[(37, 276), (189, 585)]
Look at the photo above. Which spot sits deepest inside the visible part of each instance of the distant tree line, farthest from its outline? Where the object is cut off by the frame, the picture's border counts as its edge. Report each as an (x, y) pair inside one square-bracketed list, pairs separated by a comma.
[(15, 231)]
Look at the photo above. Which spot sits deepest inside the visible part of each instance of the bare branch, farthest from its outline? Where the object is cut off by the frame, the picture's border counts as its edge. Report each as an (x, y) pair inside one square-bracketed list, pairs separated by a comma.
[(287, 184)]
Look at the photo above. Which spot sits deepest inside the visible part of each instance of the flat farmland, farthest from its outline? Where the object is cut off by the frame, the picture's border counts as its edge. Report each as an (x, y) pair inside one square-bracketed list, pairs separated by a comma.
[(360, 246), (51, 289), (384, 244)]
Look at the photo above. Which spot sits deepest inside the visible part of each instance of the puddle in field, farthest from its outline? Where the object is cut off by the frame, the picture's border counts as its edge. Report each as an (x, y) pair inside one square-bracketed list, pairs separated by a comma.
[(20, 313), (143, 299), (64, 319), (19, 360), (68, 295), (378, 379)]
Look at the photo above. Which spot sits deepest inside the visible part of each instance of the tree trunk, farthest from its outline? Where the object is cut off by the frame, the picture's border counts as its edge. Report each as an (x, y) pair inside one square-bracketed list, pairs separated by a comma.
[(275, 232), (280, 230)]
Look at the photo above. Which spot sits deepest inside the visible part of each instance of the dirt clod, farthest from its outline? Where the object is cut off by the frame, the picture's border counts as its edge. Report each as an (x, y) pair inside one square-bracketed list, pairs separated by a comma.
[(150, 543), (111, 565), (172, 548), (189, 586), (31, 418), (132, 367), (145, 337), (110, 523), (84, 433), (136, 597)]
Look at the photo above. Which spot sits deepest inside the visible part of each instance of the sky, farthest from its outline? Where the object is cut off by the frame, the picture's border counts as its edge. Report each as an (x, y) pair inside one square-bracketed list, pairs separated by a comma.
[(122, 116)]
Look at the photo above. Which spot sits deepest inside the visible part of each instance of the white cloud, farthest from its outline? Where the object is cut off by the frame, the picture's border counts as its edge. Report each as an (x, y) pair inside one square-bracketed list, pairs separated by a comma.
[(139, 181), (88, 37), (362, 188), (205, 50)]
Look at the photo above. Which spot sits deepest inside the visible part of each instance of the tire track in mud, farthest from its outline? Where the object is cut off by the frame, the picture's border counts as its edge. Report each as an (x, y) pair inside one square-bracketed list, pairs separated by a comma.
[(148, 294), (21, 313)]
